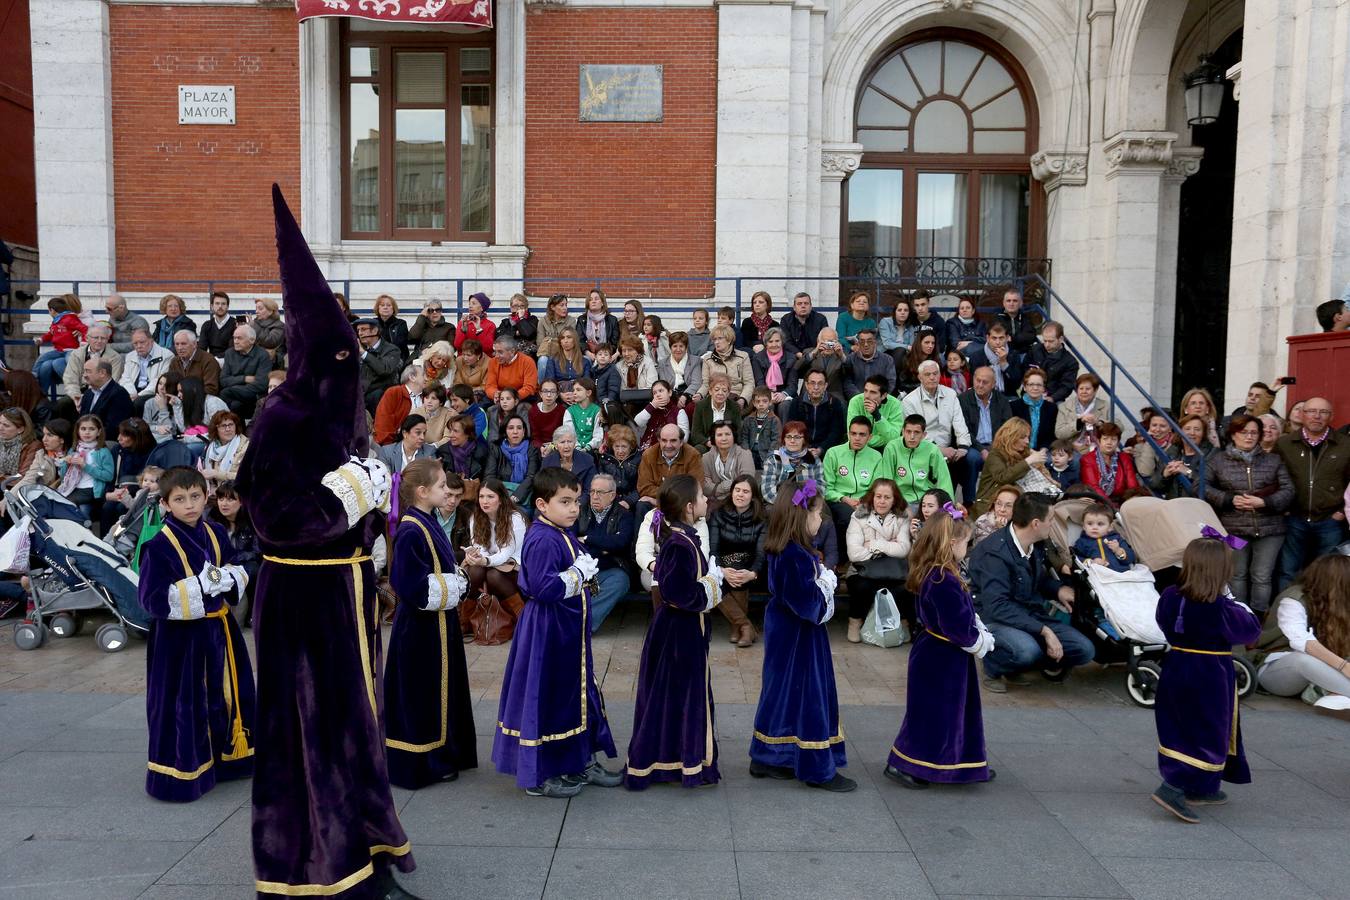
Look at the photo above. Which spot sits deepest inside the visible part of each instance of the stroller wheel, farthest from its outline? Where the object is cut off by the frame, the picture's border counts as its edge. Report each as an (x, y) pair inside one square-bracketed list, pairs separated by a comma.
[(1055, 676), (111, 637), (1246, 676), (29, 635), (1142, 683), (64, 625)]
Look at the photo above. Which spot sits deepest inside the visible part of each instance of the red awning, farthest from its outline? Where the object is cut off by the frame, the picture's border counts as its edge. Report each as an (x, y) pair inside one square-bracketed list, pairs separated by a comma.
[(473, 13)]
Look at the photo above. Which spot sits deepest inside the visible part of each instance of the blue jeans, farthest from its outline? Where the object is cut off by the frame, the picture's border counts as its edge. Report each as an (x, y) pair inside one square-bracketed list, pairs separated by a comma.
[(967, 469), (613, 587), (50, 368), (1016, 651), (1304, 541)]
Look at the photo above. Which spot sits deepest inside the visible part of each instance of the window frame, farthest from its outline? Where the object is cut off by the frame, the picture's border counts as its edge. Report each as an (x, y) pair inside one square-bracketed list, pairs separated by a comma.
[(388, 43)]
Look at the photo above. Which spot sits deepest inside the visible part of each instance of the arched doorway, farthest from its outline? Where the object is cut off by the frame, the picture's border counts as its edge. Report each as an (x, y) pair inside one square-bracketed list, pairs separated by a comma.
[(944, 191)]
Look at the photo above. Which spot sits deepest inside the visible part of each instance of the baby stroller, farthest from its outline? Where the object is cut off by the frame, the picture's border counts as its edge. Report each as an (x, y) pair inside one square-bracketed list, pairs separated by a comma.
[(1120, 613), (76, 574)]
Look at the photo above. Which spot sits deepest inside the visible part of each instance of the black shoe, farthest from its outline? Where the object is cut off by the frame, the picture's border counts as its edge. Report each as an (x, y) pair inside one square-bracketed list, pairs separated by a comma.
[(904, 779), (1174, 801), (597, 775), (453, 776), (761, 770), (836, 785), (1218, 798), (557, 788), (992, 774), (387, 888)]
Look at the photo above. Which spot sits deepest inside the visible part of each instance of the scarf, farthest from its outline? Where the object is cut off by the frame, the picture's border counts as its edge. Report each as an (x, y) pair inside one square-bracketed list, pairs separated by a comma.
[(958, 380), (459, 457), (10, 451), (773, 379), (790, 461), (1108, 477), (167, 333), (221, 456), (1245, 455), (74, 472), (762, 324), (519, 457), (993, 364), (1307, 439), (595, 327), (1034, 407)]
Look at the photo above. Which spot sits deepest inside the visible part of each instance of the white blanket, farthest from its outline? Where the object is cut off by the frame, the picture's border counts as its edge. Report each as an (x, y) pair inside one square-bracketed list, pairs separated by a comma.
[(1130, 601)]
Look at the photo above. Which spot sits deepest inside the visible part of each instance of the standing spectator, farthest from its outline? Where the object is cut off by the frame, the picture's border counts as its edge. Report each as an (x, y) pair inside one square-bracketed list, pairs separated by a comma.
[(758, 323), (607, 528), (1250, 489), (725, 359), (1021, 330), (865, 361), (1040, 411), (1108, 470), (243, 372), (392, 329), (1052, 357), (985, 410), (1080, 415), (878, 542), (736, 538), (1333, 316), (1146, 461), (926, 319), (801, 327), (896, 332), (669, 456), (827, 357), (219, 326), (994, 352), (475, 324), (105, 398), (512, 369), (941, 410), (965, 331), (1318, 460), (122, 322), (267, 324), (142, 367), (173, 319), (1179, 476), (598, 328), (849, 470), (96, 349), (724, 463), (821, 412), (430, 327), (380, 363), (65, 334), (1271, 429), (793, 461), (190, 361), (855, 317)]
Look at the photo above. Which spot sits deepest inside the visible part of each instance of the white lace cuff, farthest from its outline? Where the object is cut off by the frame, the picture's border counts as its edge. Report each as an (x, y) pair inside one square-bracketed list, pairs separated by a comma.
[(352, 485), (829, 606), (983, 644), (444, 591), (572, 582), (712, 587), (185, 600)]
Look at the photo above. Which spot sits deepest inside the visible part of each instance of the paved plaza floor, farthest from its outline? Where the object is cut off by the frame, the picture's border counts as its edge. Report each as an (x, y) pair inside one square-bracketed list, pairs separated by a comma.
[(1069, 815)]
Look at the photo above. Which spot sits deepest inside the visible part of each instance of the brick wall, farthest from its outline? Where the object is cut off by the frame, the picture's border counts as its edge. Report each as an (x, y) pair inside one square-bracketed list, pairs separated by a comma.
[(195, 200), (621, 198)]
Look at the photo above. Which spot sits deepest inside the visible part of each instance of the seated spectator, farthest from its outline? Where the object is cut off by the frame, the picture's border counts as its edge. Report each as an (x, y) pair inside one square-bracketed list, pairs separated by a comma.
[(438, 363), (886, 412), (555, 321), (158, 412), (225, 450), (725, 359), (104, 397), (855, 318), (827, 357), (56, 437), (1080, 415), (583, 414), (134, 443), (1052, 357), (567, 364), (141, 516), (999, 514), (174, 318), (772, 367), (946, 423), (670, 455), (509, 368), (998, 356), (1063, 466), (636, 372), (142, 367), (122, 322), (397, 404), (757, 324), (392, 329), (1199, 402), (1146, 461), (915, 463), (630, 323), (64, 334), (606, 527), (1106, 469), (227, 508), (546, 416), (933, 499), (1013, 588), (409, 444), (682, 371), (218, 329), (849, 469), (760, 428), (644, 548), (1183, 462), (562, 453), (896, 332), (19, 443), (193, 410), (620, 461), (492, 561), (1313, 638), (381, 362), (436, 412), (270, 329), (190, 361), (522, 325), (801, 327), (956, 374), (464, 452), (73, 381), (431, 327), (792, 461), (86, 469), (865, 361), (716, 407), (1011, 459), (1318, 459), (878, 544), (965, 331), (475, 325), (924, 349), (1039, 410), (736, 538), (605, 373), (655, 343), (244, 371), (984, 409), (507, 405), (275, 379), (700, 333), (1100, 543), (725, 463), (597, 328), (513, 461), (1018, 322)]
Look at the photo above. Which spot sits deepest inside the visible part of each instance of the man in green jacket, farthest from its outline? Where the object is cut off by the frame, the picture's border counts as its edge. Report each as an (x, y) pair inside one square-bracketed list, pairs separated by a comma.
[(915, 463), (886, 413), (848, 471)]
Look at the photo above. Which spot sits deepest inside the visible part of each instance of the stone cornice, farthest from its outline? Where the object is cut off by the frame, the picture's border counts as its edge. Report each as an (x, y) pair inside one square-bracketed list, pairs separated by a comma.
[(838, 161), (1185, 163), (1057, 168), (1138, 152)]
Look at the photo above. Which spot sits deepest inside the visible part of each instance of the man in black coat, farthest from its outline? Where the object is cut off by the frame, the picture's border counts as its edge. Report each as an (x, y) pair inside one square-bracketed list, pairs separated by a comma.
[(995, 354), (1021, 328), (104, 398), (218, 328), (1061, 369), (244, 371), (802, 326), (608, 530), (821, 412), (381, 362)]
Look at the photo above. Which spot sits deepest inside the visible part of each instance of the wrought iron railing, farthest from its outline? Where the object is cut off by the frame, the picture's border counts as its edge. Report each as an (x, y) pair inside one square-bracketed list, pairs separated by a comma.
[(950, 272)]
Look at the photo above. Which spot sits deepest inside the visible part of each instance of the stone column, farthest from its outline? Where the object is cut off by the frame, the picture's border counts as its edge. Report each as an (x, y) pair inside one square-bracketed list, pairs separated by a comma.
[(72, 141), (837, 162), (1064, 175)]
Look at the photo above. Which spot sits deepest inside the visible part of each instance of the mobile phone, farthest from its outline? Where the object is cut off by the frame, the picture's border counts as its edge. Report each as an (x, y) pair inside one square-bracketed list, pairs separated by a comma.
[(1288, 379)]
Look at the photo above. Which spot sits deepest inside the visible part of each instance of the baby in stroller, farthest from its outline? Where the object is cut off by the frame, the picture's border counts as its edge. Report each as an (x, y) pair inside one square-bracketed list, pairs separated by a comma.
[(142, 520), (1100, 543)]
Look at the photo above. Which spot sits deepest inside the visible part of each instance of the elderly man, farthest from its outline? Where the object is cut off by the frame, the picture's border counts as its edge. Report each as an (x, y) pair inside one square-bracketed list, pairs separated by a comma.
[(607, 529), (865, 361), (802, 326), (105, 398), (827, 356), (142, 367), (1021, 330), (1013, 586), (97, 348), (216, 333), (123, 323), (670, 455), (886, 413), (940, 408), (1061, 369), (984, 410), (190, 361), (398, 403), (1319, 463), (244, 371), (995, 355), (381, 361), (509, 368)]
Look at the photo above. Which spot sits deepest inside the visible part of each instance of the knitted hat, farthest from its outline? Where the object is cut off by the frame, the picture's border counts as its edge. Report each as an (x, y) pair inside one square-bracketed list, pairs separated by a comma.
[(483, 300)]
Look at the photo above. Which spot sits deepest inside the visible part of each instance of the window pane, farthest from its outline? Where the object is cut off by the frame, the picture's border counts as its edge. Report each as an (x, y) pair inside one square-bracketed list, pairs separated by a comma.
[(893, 78), (878, 110), (421, 77), (941, 213), (1003, 215), (1000, 142), (1005, 112), (990, 79), (874, 212), (365, 62), (941, 127), (961, 61), (926, 61), (475, 60), (884, 141), (419, 168), (475, 158), (364, 128)]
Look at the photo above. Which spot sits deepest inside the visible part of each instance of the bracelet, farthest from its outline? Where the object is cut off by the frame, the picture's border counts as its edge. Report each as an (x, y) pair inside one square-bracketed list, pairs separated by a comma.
[(1341, 667)]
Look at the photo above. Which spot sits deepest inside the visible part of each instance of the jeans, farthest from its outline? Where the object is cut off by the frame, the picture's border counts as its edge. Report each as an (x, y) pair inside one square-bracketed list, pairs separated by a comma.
[(613, 587), (966, 473), (49, 369), (1304, 541), (1016, 651), (1254, 570)]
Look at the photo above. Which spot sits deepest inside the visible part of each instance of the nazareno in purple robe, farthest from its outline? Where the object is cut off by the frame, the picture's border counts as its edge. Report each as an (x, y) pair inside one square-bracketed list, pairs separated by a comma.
[(199, 701), (1199, 738), (428, 715), (323, 811), (674, 733), (942, 736), (797, 722), (551, 717)]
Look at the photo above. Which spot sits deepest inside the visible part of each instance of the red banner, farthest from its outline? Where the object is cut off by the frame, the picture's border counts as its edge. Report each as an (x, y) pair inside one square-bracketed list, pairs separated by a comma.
[(473, 13)]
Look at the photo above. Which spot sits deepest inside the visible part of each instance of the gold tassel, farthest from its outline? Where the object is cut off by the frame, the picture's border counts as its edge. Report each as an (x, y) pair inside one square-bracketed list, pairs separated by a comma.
[(239, 744)]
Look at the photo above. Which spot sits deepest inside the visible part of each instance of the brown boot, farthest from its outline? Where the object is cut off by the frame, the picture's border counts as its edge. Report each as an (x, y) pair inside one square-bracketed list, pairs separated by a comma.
[(747, 635)]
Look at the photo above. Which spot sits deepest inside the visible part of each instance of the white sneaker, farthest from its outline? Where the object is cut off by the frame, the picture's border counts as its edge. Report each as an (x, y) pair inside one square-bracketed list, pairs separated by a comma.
[(1334, 705)]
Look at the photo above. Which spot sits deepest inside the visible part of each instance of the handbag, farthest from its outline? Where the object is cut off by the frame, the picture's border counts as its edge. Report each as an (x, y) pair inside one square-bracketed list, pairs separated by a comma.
[(883, 626), (491, 621), (635, 395), (883, 568), (471, 486), (1037, 482)]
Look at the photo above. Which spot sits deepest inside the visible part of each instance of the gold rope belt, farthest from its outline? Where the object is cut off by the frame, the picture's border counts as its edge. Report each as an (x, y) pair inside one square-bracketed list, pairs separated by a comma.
[(345, 561)]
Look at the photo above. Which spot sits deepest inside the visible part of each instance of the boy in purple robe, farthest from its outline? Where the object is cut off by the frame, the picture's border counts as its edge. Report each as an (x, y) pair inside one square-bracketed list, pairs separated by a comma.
[(942, 736), (674, 734), (198, 684), (1199, 738), (324, 822), (551, 718)]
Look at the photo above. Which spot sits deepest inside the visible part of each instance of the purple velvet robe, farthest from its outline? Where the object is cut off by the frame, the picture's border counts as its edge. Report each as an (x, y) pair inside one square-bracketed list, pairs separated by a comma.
[(674, 733), (942, 736), (199, 699), (551, 717), (797, 722), (1199, 737), (428, 715)]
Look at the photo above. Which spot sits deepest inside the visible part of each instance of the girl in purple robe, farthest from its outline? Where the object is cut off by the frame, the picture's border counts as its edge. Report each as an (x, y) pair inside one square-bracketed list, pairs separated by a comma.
[(942, 736), (674, 735), (199, 684), (1199, 739), (429, 733), (797, 732)]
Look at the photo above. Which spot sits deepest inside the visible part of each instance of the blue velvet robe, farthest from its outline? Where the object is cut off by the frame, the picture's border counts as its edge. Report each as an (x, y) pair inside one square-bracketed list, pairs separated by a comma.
[(199, 685), (551, 717), (797, 722), (1199, 737), (674, 733), (429, 730), (942, 736)]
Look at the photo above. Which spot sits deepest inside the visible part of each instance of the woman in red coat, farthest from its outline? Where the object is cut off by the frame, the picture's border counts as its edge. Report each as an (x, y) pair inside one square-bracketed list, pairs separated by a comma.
[(476, 324), (1106, 469)]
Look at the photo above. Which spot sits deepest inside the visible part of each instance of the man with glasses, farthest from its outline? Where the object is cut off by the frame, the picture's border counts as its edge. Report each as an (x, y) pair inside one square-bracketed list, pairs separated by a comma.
[(864, 362), (1318, 459), (123, 323), (607, 529)]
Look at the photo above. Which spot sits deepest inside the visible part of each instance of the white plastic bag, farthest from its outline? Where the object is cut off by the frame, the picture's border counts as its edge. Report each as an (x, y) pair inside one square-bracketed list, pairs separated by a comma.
[(883, 626), (14, 548)]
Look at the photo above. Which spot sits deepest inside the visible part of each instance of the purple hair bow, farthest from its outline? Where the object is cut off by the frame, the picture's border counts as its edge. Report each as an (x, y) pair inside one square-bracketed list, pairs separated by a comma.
[(803, 495), (1233, 541), (953, 510), (657, 519)]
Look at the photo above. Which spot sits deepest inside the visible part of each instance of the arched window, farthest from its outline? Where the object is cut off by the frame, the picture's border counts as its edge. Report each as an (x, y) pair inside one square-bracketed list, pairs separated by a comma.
[(948, 127)]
